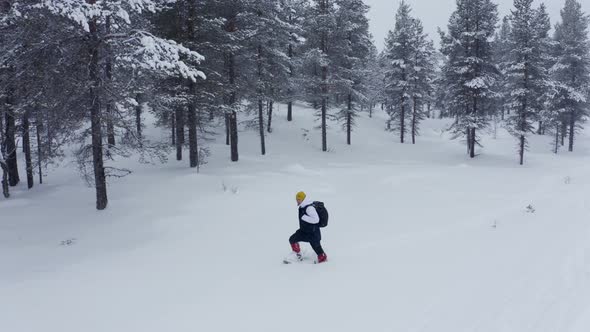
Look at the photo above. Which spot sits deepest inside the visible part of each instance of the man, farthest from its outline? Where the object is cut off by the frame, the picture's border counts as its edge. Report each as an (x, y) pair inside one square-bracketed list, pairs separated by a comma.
[(309, 230)]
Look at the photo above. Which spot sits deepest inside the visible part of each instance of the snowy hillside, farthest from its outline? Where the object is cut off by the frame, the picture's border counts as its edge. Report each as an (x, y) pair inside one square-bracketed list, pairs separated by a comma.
[(421, 238)]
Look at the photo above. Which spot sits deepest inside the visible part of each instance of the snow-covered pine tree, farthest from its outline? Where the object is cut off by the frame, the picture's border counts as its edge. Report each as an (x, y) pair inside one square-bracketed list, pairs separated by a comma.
[(399, 75), (409, 74), (374, 81), (423, 69), (184, 103), (546, 48), (441, 95), (235, 35), (8, 67), (352, 50), (271, 32), (571, 72), (469, 70), (501, 49), (137, 49), (320, 25), (294, 10), (526, 74), (41, 75)]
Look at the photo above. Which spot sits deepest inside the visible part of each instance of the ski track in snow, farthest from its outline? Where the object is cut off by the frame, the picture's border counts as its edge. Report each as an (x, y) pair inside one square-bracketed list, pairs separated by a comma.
[(420, 239)]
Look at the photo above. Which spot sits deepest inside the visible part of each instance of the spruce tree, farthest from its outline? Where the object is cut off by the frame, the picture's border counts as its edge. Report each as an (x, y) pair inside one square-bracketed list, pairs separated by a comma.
[(571, 71), (353, 46), (526, 75), (469, 70)]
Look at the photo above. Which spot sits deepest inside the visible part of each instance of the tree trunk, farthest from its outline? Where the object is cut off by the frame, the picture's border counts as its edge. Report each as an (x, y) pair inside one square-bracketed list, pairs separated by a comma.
[(468, 140), (109, 77), (10, 144), (472, 150), (402, 122), (138, 110), (3, 166), (193, 146), (270, 106), (173, 126), (260, 92), (324, 131), (349, 120), (261, 126), (291, 74), (5, 186), (233, 121), (179, 132), (227, 125), (39, 149), (324, 109), (96, 117), (110, 126), (572, 131), (473, 135), (233, 116), (563, 132), (521, 149), (324, 49), (27, 148), (414, 121), (556, 138)]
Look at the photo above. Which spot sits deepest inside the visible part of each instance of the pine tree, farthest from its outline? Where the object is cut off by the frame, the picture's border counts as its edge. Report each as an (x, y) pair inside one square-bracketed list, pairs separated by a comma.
[(526, 75), (320, 26), (184, 103), (294, 11), (8, 131), (134, 49), (400, 49), (501, 49), (353, 47), (234, 37), (374, 80), (421, 87), (542, 24), (268, 24), (408, 74), (571, 71), (470, 73)]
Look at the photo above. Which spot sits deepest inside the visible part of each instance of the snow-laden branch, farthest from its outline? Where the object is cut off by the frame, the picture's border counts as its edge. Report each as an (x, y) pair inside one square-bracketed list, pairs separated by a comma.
[(163, 56), (82, 12)]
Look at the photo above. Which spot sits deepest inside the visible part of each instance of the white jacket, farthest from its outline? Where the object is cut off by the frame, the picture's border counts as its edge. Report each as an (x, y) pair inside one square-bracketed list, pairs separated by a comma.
[(311, 215)]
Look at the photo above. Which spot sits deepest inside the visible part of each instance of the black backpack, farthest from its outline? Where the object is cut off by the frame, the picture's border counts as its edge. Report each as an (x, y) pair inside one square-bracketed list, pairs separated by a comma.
[(322, 213)]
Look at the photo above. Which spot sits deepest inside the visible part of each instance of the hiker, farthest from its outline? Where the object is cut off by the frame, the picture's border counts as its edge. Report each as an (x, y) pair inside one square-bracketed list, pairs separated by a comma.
[(309, 228)]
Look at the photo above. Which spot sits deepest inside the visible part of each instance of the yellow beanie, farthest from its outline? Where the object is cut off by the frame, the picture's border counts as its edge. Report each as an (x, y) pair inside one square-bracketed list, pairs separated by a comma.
[(300, 196)]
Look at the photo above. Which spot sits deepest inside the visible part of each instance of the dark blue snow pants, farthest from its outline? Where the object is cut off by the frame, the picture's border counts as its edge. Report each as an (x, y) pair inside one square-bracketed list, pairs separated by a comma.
[(313, 238)]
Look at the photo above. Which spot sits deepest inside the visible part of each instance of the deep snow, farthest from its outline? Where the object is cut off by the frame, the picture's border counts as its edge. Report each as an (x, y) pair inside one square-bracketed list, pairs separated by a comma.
[(420, 239)]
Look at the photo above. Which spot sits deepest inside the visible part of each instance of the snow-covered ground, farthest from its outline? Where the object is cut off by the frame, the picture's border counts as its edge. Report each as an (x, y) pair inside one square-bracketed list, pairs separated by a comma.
[(420, 239)]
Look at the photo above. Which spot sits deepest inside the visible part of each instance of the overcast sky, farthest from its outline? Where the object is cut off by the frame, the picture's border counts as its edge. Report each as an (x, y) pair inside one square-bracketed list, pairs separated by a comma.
[(436, 13)]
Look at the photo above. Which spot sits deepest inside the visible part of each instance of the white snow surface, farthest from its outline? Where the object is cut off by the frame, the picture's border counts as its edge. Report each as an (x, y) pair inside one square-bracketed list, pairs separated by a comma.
[(421, 238)]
